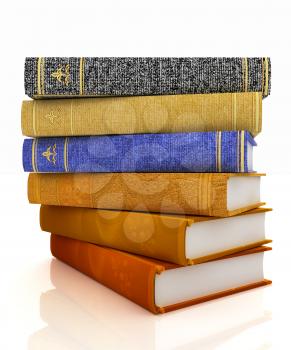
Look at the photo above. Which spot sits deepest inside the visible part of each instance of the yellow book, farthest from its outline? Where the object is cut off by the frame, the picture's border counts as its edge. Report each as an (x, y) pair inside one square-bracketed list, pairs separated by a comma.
[(142, 114), (209, 194), (182, 240)]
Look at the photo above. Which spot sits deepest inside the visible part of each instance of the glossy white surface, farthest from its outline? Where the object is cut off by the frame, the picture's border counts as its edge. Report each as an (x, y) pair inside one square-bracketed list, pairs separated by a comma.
[(257, 320), (91, 315)]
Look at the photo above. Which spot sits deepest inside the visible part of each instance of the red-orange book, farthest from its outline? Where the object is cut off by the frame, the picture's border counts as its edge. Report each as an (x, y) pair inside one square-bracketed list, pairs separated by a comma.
[(160, 286)]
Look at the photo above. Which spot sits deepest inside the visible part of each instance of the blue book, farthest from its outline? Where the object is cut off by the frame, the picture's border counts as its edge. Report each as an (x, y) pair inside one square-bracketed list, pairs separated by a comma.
[(220, 151)]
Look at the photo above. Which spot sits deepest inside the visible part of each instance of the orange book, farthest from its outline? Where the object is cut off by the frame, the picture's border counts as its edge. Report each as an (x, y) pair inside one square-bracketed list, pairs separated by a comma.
[(159, 286), (184, 240), (209, 194)]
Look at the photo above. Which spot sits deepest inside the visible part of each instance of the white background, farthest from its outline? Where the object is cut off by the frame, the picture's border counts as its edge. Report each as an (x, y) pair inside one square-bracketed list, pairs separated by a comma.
[(93, 317)]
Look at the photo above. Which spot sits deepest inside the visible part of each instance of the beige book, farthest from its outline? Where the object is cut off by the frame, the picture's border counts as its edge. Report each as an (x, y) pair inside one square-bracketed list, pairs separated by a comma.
[(142, 114)]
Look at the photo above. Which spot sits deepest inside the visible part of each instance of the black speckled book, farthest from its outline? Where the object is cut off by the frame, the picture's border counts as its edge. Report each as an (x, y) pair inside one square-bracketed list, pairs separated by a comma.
[(47, 77)]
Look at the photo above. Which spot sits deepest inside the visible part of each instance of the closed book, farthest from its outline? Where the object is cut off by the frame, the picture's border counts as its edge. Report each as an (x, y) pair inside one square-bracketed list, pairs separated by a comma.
[(159, 286), (220, 151), (210, 194), (122, 76), (184, 240), (142, 114)]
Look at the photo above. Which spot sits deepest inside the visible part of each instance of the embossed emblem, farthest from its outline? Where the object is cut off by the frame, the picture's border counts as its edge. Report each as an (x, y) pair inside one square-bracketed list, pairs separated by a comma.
[(62, 74), (52, 117), (50, 156)]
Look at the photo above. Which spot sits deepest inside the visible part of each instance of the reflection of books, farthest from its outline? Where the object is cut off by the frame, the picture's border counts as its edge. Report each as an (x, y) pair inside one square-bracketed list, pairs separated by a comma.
[(82, 314), (48, 338)]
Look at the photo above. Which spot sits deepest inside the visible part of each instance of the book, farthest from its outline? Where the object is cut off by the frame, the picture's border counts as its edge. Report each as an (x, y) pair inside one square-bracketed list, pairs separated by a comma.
[(184, 240), (220, 151), (209, 194), (121, 76), (142, 114), (149, 282)]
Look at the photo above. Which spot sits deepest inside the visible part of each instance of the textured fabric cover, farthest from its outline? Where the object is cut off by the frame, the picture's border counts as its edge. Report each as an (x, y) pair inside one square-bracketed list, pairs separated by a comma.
[(107, 76), (183, 152), (180, 193), (130, 275), (142, 114), (154, 235)]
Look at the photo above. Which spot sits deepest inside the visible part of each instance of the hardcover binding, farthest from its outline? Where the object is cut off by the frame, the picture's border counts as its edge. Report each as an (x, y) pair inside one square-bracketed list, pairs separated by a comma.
[(174, 193), (214, 296), (154, 235), (221, 151), (119, 76), (142, 114), (129, 275)]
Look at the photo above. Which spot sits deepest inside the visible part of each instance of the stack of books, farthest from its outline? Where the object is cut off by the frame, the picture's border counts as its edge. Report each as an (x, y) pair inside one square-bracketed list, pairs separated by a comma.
[(144, 170)]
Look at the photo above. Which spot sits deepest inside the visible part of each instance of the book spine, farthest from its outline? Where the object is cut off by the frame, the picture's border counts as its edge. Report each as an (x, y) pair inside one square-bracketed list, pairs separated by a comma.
[(139, 115), (109, 76), (224, 151), (126, 274), (180, 193), (155, 236)]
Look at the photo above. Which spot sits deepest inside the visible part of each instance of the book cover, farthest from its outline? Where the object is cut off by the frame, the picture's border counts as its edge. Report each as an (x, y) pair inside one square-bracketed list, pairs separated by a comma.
[(164, 237), (134, 277), (142, 114), (119, 76), (221, 151), (179, 193)]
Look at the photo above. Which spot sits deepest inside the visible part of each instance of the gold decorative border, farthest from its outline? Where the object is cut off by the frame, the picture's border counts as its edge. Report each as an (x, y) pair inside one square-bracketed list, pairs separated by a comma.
[(34, 155), (266, 65), (33, 118), (242, 153), (71, 117), (263, 75), (218, 151), (81, 75), (40, 76), (234, 112), (66, 154), (238, 151), (245, 76), (257, 109)]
